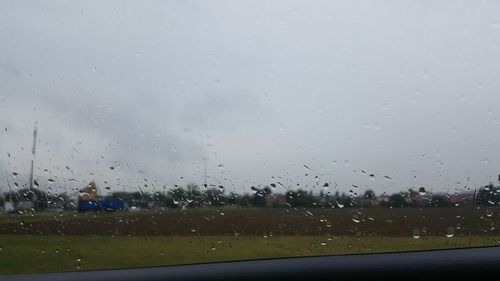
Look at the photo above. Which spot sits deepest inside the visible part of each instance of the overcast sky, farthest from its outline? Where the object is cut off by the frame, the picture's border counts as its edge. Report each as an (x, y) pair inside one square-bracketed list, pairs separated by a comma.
[(261, 89)]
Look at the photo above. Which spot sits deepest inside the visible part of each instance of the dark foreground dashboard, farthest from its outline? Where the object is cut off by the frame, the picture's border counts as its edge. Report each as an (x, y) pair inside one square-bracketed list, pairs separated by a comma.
[(474, 263)]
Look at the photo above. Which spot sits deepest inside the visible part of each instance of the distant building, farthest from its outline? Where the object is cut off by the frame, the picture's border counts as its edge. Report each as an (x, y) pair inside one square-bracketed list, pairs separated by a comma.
[(462, 198), (275, 200), (24, 206), (89, 192), (420, 200), (382, 199), (8, 207)]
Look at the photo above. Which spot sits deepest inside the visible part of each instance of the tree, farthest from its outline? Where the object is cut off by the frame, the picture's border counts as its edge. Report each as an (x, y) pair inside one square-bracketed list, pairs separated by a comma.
[(488, 195), (369, 195), (259, 197), (398, 200), (439, 200), (193, 195), (244, 200), (39, 198), (299, 198), (178, 196), (343, 200), (368, 199), (214, 197)]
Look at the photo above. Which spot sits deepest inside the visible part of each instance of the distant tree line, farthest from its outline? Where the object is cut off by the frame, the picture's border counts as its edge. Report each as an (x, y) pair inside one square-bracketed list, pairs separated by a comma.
[(192, 196), (39, 199)]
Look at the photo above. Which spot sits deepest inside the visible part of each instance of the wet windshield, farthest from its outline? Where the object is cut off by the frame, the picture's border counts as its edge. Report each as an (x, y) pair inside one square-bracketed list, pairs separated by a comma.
[(152, 133)]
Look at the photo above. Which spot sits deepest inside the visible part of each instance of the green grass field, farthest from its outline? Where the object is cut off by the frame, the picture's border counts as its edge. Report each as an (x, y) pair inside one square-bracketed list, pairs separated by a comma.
[(31, 253), (69, 241)]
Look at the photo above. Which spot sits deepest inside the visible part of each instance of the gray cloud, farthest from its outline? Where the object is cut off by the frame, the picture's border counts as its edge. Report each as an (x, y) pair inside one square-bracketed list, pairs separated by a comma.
[(405, 89)]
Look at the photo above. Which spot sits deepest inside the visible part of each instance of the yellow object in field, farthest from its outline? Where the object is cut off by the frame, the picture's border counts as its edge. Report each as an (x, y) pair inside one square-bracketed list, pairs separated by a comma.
[(89, 192)]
